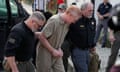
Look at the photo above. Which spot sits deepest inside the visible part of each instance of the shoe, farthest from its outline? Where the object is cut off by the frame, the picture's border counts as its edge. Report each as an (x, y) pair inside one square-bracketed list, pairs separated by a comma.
[(99, 64), (103, 46)]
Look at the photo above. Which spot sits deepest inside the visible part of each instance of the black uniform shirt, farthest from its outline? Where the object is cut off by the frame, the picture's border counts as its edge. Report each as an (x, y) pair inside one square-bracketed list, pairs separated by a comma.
[(20, 43), (112, 26), (115, 12), (82, 33), (104, 8)]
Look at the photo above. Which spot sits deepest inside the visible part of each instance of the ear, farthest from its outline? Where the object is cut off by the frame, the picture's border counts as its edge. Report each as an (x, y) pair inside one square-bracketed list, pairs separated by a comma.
[(33, 21)]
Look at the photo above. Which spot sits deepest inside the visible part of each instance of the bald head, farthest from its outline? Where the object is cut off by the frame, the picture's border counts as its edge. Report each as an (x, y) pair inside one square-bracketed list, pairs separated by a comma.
[(72, 14), (74, 10)]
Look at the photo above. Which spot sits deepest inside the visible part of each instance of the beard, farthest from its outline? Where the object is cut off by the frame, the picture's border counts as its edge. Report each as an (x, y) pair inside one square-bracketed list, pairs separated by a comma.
[(89, 16), (34, 30)]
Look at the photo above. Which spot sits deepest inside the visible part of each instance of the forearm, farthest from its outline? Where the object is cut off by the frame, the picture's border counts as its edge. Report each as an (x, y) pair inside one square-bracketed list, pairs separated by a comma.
[(98, 14), (12, 63), (45, 42), (111, 36), (111, 32), (106, 15)]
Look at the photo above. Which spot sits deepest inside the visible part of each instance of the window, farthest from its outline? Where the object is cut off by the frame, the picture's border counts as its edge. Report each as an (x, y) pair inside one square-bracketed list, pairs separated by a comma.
[(3, 9), (14, 9)]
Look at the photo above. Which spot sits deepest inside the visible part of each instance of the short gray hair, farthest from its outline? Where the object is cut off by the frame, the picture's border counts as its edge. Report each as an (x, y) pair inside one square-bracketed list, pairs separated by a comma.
[(38, 15), (84, 6)]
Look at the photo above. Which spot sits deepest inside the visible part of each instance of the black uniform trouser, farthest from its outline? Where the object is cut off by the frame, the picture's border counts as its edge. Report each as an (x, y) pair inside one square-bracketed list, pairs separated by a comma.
[(66, 50), (26, 66), (114, 51)]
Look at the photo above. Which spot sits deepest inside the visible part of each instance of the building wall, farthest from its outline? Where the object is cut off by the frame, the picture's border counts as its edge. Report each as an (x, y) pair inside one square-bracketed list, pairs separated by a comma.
[(78, 2)]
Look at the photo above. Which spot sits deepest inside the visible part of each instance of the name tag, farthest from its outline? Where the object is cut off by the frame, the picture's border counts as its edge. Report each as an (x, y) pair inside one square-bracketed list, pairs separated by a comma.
[(82, 26), (11, 40)]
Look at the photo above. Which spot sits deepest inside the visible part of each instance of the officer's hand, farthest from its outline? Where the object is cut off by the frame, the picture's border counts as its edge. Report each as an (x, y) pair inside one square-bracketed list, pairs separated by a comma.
[(111, 38), (101, 17)]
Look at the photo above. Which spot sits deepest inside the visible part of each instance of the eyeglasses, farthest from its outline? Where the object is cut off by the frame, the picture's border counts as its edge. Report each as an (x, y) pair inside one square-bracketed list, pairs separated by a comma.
[(37, 23)]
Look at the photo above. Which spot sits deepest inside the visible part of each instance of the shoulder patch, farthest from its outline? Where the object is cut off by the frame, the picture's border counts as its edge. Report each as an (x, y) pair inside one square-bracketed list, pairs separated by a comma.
[(11, 40)]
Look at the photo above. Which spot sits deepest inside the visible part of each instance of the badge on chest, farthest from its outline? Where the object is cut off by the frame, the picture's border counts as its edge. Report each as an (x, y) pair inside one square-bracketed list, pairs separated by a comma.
[(82, 26)]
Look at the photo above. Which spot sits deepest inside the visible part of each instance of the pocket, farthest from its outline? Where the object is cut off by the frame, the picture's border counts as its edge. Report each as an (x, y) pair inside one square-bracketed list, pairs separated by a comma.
[(82, 28), (6, 66), (93, 27), (82, 31)]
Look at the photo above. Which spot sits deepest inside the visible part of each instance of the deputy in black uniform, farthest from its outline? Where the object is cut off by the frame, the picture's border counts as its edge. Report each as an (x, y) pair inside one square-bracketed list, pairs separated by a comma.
[(82, 36), (114, 25), (103, 13), (20, 44)]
